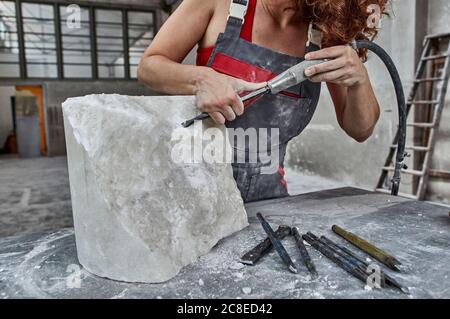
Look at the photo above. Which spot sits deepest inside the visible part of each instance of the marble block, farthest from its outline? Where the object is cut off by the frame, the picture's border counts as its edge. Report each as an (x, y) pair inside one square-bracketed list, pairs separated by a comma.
[(141, 211)]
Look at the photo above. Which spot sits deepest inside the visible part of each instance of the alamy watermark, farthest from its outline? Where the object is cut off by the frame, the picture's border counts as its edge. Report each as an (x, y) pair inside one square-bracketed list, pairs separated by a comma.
[(73, 20), (375, 278), (227, 145)]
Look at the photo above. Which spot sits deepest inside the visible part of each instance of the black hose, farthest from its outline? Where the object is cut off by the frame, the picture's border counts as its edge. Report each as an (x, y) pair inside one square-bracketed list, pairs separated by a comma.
[(402, 111)]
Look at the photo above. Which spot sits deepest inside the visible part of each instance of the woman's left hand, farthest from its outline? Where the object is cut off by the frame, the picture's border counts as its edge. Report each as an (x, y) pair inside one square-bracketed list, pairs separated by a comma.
[(344, 67)]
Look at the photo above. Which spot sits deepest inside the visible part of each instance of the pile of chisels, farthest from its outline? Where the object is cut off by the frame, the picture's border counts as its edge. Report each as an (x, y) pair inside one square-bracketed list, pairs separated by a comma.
[(340, 255)]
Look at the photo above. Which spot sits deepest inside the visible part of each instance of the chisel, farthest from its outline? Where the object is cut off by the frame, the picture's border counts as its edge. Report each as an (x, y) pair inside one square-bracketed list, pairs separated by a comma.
[(304, 253), (363, 264), (277, 244), (368, 248), (335, 257), (289, 78)]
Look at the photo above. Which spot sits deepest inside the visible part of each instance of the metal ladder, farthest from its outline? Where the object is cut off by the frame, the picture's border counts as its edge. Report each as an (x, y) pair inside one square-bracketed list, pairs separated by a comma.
[(437, 65)]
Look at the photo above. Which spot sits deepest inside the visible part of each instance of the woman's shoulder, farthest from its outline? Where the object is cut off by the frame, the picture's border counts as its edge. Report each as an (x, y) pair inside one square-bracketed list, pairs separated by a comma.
[(217, 10), (210, 5)]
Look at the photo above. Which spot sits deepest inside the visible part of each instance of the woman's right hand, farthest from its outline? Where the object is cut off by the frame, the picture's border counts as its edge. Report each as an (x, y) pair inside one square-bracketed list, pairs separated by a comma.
[(218, 95)]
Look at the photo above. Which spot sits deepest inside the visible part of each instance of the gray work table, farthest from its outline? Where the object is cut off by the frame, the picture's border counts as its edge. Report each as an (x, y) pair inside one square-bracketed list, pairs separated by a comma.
[(417, 233)]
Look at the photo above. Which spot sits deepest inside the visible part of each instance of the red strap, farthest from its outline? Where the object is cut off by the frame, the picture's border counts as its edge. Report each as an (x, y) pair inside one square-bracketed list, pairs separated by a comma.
[(203, 54), (282, 173), (244, 71), (239, 69)]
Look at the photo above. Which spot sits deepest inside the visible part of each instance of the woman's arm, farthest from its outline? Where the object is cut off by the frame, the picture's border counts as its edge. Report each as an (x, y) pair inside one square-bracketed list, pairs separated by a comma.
[(356, 106), (161, 68)]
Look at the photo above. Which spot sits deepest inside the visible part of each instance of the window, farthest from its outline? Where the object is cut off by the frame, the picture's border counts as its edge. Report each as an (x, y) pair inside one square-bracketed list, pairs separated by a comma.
[(76, 43), (9, 45), (61, 40), (39, 40), (140, 34), (110, 49)]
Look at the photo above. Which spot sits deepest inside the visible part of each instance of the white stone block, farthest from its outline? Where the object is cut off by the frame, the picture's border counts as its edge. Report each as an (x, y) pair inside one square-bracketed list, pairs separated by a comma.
[(140, 215)]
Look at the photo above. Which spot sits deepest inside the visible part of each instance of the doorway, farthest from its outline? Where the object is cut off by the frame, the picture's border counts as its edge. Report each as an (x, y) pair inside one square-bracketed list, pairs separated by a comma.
[(36, 93), (22, 121)]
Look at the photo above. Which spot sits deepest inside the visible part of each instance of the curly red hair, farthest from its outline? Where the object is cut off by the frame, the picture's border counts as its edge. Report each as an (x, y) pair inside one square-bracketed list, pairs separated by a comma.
[(341, 21)]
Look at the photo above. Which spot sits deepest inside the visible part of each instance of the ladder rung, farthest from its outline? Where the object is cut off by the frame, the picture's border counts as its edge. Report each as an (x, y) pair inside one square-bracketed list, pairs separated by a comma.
[(440, 174), (423, 102), (386, 191), (435, 57), (437, 35), (422, 125), (414, 148), (408, 172), (429, 80)]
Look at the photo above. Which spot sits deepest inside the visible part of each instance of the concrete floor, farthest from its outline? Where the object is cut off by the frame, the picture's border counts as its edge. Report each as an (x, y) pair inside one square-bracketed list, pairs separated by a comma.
[(35, 194)]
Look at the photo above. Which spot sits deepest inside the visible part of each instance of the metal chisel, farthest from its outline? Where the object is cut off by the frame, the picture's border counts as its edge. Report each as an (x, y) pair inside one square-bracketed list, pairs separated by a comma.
[(304, 253), (279, 248)]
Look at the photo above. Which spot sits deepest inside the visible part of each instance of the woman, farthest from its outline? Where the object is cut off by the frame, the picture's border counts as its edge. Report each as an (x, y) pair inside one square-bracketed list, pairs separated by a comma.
[(243, 44)]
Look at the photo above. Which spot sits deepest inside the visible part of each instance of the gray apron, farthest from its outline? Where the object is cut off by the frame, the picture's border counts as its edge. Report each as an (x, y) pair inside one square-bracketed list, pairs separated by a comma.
[(285, 115)]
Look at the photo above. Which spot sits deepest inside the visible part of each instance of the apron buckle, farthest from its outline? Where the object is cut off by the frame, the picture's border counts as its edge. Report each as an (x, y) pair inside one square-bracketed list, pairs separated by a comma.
[(238, 10), (314, 36)]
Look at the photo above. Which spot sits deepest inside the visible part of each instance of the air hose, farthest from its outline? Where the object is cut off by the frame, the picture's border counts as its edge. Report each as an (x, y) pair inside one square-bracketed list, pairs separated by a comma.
[(400, 138)]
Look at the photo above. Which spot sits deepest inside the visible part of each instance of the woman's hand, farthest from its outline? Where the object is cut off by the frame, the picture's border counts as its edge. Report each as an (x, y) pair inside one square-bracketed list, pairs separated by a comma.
[(218, 95), (344, 67), (356, 105)]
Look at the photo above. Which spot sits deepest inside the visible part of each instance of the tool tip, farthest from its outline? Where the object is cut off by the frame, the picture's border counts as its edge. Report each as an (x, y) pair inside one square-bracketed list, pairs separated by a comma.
[(395, 268), (246, 262), (293, 269), (405, 290)]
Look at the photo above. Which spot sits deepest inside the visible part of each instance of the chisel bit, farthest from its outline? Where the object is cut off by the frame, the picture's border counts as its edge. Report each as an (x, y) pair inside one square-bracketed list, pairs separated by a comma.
[(277, 244), (304, 253)]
